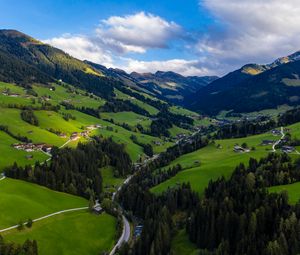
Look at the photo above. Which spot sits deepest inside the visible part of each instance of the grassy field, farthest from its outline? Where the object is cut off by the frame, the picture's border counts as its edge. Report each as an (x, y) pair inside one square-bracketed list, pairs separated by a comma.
[(109, 181), (55, 121), (183, 111), (50, 119), (182, 245), (22, 200), (269, 112), (119, 134), (177, 130), (70, 234), (293, 191), (214, 162), (12, 119), (60, 94), (152, 110), (12, 88), (131, 118), (12, 155)]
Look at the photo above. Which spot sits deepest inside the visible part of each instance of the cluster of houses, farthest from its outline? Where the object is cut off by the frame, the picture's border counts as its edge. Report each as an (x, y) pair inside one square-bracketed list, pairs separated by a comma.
[(76, 135), (284, 148), (240, 149), (7, 93), (157, 143), (288, 149), (267, 142), (29, 147), (276, 132), (181, 136)]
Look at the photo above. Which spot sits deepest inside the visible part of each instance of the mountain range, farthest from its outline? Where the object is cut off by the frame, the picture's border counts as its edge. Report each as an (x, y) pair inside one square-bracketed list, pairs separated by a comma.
[(34, 61), (253, 87)]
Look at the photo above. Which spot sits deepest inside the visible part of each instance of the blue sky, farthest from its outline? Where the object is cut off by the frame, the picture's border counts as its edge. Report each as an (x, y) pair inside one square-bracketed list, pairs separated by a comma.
[(191, 37)]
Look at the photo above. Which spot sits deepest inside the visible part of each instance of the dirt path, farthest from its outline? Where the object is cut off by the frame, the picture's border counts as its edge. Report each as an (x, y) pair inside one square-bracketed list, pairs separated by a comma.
[(47, 216)]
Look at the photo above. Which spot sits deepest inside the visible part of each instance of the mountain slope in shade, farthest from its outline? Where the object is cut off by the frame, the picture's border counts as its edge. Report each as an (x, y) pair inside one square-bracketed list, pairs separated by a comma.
[(171, 85), (251, 88), (168, 86)]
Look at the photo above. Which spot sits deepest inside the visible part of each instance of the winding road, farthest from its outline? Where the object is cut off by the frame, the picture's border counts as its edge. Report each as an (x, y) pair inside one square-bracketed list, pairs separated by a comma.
[(277, 142), (124, 237), (126, 226)]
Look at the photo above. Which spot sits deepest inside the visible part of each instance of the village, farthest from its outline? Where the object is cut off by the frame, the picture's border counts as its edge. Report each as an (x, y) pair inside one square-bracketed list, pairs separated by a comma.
[(281, 143), (46, 148)]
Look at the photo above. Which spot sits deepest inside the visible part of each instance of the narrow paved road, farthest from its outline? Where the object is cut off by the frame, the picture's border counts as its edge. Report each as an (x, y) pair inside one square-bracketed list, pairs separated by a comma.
[(124, 237), (47, 216), (277, 142), (65, 144), (126, 226)]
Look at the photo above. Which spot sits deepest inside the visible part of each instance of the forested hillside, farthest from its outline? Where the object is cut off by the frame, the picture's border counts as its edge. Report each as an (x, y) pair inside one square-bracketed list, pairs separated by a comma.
[(251, 88)]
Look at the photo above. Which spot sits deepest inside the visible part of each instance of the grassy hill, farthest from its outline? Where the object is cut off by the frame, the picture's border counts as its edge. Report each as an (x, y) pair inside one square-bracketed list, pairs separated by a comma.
[(22, 200), (218, 159), (51, 123), (212, 162), (70, 234)]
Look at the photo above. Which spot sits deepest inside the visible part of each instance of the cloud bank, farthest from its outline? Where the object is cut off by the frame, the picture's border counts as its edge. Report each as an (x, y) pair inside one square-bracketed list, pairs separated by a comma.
[(251, 31), (248, 31), (118, 36)]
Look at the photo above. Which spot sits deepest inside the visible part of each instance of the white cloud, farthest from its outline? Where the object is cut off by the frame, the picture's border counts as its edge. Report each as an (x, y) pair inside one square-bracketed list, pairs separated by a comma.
[(81, 47), (245, 31), (252, 31), (182, 66), (138, 32)]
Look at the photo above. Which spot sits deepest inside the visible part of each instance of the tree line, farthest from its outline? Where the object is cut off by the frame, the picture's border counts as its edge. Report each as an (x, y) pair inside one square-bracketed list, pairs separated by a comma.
[(239, 216), (27, 248), (234, 216), (119, 105), (76, 171), (160, 105), (245, 128)]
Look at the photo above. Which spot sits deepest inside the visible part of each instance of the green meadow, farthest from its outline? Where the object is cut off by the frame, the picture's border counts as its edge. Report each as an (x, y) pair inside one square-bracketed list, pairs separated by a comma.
[(131, 118), (12, 119), (213, 161), (177, 130), (149, 108), (293, 191), (110, 182), (183, 111), (23, 200), (63, 234), (182, 245), (60, 94), (9, 155)]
